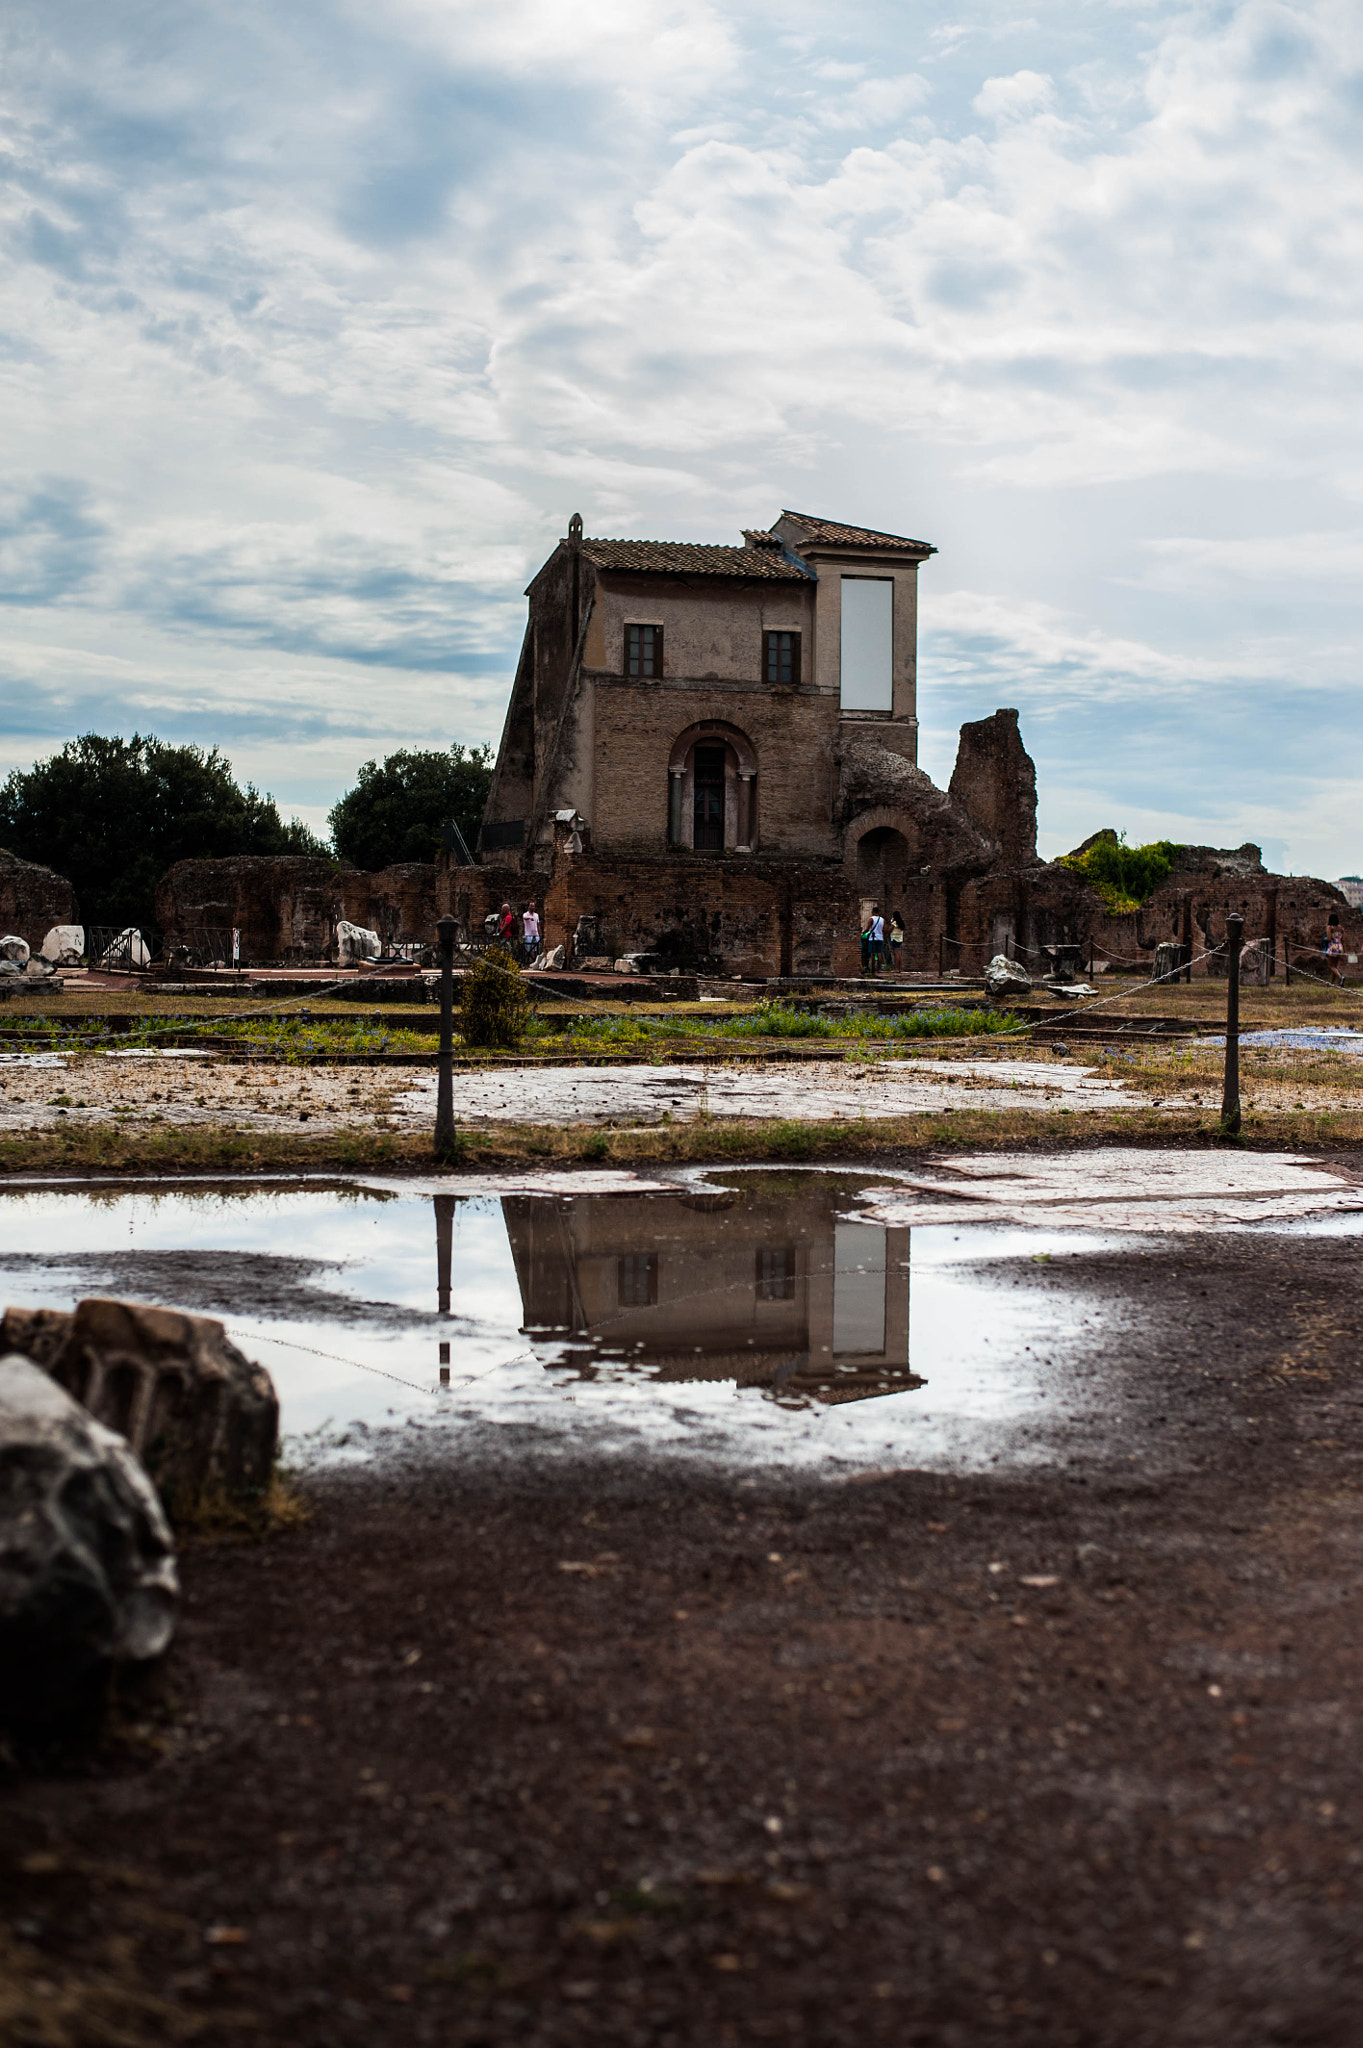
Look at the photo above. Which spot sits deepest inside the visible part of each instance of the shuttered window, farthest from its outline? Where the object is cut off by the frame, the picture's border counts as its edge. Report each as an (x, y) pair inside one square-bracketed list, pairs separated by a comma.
[(781, 657), (643, 650)]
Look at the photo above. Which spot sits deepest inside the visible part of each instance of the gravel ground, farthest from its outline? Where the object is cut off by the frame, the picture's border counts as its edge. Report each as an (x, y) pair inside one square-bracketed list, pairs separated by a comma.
[(94, 1089)]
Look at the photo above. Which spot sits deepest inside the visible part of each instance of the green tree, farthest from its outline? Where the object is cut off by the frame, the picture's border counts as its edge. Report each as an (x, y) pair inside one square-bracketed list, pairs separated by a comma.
[(395, 812), (113, 814)]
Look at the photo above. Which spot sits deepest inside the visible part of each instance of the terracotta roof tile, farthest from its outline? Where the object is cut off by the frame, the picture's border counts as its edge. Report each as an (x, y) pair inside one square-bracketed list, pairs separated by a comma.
[(691, 558), (836, 534)]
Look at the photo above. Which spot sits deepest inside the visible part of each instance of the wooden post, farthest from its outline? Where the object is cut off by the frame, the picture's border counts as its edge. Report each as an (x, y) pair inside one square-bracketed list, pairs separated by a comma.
[(444, 1092), (444, 1246), (1185, 937), (1230, 1092)]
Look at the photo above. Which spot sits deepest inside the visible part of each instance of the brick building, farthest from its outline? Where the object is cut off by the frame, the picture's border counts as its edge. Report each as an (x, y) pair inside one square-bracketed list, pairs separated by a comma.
[(711, 752), (710, 760)]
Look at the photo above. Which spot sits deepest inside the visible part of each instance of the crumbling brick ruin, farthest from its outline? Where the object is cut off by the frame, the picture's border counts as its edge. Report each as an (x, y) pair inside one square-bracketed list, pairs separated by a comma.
[(710, 754), (286, 907), (710, 760), (33, 899)]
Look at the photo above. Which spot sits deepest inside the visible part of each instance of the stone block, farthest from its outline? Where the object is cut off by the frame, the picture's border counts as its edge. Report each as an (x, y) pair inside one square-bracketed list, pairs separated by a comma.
[(354, 943), (64, 945), (87, 1563), (201, 1416), (1004, 977)]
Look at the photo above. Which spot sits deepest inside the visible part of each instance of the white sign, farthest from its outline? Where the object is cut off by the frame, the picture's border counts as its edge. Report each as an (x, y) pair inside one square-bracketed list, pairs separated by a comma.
[(867, 675)]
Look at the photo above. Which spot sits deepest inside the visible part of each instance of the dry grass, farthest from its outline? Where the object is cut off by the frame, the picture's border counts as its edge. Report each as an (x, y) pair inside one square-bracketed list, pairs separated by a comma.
[(205, 1149), (46, 2003), (218, 1517)]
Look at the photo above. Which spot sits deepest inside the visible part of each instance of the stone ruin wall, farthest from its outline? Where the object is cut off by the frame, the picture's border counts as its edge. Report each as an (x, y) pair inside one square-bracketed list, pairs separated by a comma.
[(1018, 912), (960, 865), (33, 899), (286, 907)]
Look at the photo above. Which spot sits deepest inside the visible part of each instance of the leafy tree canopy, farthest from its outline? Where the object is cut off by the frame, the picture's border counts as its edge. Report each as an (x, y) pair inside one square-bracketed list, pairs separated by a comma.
[(1124, 876), (394, 812), (113, 814)]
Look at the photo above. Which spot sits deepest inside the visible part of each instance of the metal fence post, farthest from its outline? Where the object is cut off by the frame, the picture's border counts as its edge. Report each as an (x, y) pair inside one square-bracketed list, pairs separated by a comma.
[(444, 1093), (1230, 1093)]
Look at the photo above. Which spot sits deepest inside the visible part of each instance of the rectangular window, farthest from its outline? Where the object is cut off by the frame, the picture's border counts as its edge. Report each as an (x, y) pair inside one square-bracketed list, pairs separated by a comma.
[(636, 1279), (508, 832), (858, 1288), (867, 643), (643, 650), (781, 657), (776, 1274)]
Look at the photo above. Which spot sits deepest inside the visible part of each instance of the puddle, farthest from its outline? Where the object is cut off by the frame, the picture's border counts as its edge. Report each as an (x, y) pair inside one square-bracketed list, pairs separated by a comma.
[(791, 1316), (1297, 1038)]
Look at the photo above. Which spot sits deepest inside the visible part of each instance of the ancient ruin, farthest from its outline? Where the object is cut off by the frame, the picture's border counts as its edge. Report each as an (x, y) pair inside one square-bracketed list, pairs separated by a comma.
[(710, 763), (286, 908), (202, 1418), (710, 760), (33, 899)]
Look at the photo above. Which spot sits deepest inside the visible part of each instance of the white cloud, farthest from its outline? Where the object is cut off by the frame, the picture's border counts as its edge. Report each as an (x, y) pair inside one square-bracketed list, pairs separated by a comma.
[(1007, 99), (317, 326)]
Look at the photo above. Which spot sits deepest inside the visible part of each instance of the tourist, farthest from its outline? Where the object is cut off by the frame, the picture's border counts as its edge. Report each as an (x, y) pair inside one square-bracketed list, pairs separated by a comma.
[(896, 940), (1333, 949), (866, 943), (877, 939), (530, 930), (506, 928)]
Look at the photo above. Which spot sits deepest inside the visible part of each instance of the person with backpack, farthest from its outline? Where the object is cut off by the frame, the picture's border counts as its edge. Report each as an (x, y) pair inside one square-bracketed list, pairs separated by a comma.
[(877, 939)]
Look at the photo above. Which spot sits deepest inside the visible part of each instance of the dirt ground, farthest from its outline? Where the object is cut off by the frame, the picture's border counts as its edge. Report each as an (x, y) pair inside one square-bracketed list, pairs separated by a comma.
[(497, 1750), (164, 1093)]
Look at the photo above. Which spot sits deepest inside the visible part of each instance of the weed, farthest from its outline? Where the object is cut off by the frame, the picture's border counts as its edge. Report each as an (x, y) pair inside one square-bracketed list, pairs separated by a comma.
[(494, 1002)]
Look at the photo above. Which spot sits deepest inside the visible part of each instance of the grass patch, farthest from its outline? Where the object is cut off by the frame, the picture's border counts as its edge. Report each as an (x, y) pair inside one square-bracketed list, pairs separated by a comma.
[(777, 1020)]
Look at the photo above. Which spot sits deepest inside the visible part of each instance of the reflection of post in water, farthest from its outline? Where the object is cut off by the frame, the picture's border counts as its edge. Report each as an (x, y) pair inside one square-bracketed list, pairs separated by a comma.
[(444, 1246), (766, 1284)]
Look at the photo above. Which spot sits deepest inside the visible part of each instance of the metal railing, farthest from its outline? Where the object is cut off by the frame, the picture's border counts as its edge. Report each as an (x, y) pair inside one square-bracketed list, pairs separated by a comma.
[(121, 949)]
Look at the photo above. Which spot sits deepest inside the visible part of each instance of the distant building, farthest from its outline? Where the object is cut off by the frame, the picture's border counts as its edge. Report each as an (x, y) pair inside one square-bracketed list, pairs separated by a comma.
[(1351, 889)]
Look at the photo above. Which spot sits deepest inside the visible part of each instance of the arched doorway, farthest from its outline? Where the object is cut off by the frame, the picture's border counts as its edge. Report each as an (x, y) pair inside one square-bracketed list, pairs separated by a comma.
[(712, 790), (883, 867)]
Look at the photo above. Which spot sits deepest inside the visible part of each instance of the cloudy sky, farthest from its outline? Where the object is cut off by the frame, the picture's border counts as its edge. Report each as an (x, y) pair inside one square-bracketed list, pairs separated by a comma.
[(319, 319)]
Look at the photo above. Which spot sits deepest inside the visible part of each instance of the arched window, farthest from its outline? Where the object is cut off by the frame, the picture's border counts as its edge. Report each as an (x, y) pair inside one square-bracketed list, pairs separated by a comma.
[(712, 790)]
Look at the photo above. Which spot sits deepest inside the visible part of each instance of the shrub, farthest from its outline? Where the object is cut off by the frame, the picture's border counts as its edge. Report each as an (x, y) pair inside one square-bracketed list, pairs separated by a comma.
[(494, 1002), (1124, 876)]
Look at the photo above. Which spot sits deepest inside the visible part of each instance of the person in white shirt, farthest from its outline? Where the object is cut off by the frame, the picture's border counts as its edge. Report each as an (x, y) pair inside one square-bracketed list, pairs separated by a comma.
[(530, 931), (877, 939)]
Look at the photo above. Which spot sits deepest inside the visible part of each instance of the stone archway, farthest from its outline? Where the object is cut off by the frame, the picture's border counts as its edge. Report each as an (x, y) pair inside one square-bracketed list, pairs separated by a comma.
[(883, 866), (712, 789), (882, 851)]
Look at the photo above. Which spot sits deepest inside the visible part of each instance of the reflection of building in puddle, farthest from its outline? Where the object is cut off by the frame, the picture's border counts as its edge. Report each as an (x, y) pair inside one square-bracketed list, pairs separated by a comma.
[(767, 1286)]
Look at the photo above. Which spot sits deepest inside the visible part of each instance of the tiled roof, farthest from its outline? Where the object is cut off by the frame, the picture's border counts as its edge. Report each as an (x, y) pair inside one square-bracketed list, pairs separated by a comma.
[(692, 558), (837, 535)]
